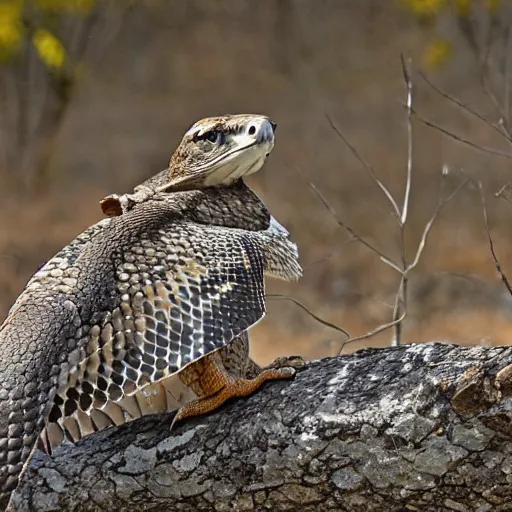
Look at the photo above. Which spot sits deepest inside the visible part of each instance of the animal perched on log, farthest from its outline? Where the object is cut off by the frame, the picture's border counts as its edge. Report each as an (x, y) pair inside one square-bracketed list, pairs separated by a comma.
[(148, 310)]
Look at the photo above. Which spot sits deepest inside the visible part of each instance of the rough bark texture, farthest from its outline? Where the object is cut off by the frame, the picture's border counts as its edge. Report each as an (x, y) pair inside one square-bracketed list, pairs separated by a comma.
[(417, 427)]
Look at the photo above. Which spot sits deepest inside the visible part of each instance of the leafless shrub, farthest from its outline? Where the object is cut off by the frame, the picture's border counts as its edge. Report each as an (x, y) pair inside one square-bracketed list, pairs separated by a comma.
[(404, 265), (491, 44)]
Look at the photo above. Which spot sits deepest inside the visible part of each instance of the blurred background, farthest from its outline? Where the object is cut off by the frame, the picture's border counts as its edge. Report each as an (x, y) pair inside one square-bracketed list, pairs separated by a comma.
[(96, 94)]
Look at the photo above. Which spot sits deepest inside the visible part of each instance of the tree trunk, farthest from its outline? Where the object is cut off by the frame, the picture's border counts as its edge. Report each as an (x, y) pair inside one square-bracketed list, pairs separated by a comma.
[(415, 427)]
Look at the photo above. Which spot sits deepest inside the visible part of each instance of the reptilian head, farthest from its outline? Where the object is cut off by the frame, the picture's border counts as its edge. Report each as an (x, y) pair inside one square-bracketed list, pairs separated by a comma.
[(220, 150), (214, 151)]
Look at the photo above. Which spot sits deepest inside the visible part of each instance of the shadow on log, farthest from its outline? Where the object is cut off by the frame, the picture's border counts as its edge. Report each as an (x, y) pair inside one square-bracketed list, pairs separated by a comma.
[(416, 427)]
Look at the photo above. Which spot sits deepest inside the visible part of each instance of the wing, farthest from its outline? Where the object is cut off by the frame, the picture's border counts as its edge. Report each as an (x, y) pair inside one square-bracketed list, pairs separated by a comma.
[(280, 254), (183, 294)]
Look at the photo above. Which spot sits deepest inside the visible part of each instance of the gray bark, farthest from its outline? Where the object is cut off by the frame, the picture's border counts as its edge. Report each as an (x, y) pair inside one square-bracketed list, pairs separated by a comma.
[(416, 427)]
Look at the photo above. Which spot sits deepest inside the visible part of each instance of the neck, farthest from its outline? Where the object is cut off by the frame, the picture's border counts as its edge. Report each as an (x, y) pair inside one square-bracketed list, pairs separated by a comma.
[(234, 205)]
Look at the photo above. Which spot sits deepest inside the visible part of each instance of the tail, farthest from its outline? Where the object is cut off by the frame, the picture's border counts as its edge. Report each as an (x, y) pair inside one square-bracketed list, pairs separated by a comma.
[(32, 339), (166, 395)]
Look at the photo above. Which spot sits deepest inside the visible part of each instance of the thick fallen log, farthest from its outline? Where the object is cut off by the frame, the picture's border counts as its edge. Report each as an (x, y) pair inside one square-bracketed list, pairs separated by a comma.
[(417, 427)]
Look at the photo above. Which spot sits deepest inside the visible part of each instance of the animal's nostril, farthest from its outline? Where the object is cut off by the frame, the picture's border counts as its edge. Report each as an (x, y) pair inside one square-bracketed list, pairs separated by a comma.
[(252, 130), (274, 125)]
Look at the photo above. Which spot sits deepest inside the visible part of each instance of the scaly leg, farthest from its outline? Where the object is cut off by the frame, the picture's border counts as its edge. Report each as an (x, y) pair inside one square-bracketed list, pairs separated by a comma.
[(216, 377)]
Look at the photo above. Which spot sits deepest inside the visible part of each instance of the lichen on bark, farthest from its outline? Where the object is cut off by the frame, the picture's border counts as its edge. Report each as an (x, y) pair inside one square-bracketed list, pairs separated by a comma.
[(417, 427)]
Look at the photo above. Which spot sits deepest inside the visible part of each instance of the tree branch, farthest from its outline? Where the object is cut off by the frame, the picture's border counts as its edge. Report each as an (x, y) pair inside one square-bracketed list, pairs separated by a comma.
[(378, 330), (400, 307), (309, 312), (495, 259), (415, 427), (408, 183), (465, 108), (462, 140), (341, 223), (367, 166)]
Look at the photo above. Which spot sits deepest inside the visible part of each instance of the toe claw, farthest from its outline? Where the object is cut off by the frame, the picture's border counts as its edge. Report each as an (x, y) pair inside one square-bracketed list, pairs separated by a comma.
[(287, 371)]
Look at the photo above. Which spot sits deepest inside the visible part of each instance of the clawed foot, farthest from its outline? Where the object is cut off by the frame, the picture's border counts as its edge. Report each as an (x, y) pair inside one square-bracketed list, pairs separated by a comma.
[(236, 387)]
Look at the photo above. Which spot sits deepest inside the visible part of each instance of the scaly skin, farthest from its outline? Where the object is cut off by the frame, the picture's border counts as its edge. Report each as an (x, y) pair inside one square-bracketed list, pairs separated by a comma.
[(134, 305)]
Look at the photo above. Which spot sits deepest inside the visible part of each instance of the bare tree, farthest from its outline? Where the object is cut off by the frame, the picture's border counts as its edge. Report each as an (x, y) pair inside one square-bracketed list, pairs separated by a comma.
[(39, 77)]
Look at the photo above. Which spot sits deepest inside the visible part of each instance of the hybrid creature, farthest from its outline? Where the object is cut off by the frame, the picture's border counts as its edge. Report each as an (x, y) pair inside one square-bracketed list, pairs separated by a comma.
[(148, 310)]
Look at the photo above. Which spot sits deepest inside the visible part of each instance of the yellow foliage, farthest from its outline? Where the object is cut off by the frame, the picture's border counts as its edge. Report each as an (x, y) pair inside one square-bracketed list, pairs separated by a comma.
[(66, 5), (50, 49), (10, 27), (493, 5), (12, 32), (462, 7), (431, 8), (424, 8), (437, 53)]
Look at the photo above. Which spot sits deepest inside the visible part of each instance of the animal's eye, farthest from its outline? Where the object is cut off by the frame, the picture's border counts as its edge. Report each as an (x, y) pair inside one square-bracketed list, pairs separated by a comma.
[(211, 136)]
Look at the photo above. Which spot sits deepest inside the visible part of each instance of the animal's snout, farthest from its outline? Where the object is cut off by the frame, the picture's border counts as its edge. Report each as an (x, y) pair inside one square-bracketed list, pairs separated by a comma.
[(262, 130)]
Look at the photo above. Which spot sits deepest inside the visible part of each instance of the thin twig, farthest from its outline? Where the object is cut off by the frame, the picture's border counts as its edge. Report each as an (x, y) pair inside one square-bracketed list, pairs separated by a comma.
[(463, 106), (310, 313), (484, 66), (497, 263), (378, 330), (382, 256), (401, 296), (408, 83), (430, 223), (457, 138), (494, 101), (505, 193), (366, 165)]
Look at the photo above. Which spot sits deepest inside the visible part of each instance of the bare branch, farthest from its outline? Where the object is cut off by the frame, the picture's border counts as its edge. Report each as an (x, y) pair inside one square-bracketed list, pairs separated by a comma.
[(376, 331), (484, 65), (505, 192), (399, 307), (493, 100), (430, 223), (497, 263), (408, 83), (401, 294), (310, 313), (491, 243), (367, 166), (464, 107), (457, 138), (382, 256)]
